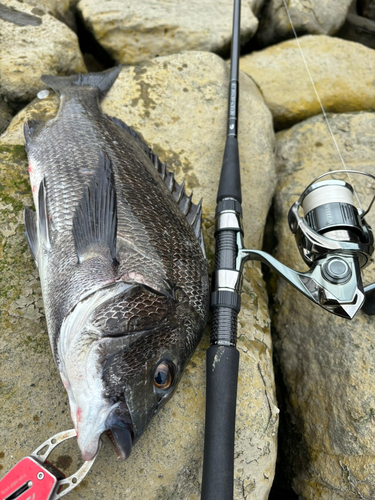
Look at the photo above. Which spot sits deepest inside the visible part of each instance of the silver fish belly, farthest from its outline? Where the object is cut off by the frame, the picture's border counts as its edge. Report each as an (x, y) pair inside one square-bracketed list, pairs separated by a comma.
[(120, 254)]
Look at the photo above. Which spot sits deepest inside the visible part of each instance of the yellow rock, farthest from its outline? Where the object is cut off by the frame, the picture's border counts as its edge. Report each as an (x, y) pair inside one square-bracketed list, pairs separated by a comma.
[(135, 31), (29, 51), (342, 71)]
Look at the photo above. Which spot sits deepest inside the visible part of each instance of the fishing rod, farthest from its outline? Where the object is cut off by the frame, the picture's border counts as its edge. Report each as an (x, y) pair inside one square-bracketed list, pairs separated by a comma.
[(335, 242), (222, 355)]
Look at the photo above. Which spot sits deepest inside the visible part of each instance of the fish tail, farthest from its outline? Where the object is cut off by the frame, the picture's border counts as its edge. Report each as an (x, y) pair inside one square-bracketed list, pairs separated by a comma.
[(102, 80)]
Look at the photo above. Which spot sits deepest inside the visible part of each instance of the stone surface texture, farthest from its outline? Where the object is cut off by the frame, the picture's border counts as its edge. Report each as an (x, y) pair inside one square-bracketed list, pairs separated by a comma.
[(342, 71), (136, 31), (28, 52), (179, 105), (327, 363), (5, 115), (316, 17), (61, 9)]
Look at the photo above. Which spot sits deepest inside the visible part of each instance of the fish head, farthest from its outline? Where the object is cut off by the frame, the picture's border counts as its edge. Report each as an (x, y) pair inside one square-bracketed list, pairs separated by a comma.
[(122, 352)]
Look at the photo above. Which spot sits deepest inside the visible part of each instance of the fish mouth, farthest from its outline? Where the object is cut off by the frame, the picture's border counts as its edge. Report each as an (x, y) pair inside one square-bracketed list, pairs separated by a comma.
[(120, 431)]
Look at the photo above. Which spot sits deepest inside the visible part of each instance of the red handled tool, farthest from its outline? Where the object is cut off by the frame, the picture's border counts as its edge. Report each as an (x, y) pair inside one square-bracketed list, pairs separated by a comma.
[(33, 478)]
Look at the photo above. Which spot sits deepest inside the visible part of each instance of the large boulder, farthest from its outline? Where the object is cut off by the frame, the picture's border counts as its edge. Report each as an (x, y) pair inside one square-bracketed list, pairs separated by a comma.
[(327, 363), (179, 104), (33, 43), (135, 31), (342, 71), (316, 17)]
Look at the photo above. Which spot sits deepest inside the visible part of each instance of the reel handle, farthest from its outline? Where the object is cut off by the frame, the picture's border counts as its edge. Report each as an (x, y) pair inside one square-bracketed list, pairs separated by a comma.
[(334, 282)]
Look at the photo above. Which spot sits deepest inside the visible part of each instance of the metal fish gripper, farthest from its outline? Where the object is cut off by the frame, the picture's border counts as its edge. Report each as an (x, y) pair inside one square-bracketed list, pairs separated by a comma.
[(33, 478)]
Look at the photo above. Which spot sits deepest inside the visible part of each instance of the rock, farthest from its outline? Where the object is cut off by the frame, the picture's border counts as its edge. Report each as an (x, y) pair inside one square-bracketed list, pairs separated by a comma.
[(61, 9), (42, 109), (316, 17), (256, 6), (5, 115), (358, 29), (342, 72), (179, 104), (136, 31), (327, 363), (33, 44), (367, 9)]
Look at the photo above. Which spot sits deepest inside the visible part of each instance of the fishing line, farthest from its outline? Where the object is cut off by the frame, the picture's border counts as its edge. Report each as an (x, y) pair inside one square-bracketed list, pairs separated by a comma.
[(319, 100)]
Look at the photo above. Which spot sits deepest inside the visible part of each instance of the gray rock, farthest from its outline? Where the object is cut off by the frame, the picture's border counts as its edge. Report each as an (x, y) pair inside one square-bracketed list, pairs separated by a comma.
[(327, 363), (29, 49), (179, 104), (342, 71), (136, 31), (316, 17), (359, 29)]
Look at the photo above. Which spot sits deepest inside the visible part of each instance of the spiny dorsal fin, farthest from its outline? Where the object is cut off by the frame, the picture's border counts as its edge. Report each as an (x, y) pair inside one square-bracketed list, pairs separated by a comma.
[(43, 215), (189, 209), (192, 211), (29, 219), (95, 219), (132, 132)]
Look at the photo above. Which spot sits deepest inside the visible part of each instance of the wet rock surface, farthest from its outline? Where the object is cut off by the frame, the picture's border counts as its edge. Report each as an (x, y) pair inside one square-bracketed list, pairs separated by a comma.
[(318, 17), (173, 102), (342, 72), (33, 43), (326, 363), (137, 31)]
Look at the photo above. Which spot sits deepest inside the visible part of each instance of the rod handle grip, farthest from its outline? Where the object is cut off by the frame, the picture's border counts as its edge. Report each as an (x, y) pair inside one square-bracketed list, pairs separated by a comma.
[(218, 463)]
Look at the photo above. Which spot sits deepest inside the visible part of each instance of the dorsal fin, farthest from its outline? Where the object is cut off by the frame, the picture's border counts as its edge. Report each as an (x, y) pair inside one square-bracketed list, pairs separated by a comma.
[(132, 132), (95, 219), (192, 211)]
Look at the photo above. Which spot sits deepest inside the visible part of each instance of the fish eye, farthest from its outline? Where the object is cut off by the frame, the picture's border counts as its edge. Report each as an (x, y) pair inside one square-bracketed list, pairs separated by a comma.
[(164, 375)]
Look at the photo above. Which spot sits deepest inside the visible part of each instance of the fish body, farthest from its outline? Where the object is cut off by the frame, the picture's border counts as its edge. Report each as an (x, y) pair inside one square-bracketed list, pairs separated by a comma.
[(120, 254)]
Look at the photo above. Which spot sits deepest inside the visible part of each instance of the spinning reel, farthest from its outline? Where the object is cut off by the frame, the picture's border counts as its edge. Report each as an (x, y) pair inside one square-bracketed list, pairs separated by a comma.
[(334, 240)]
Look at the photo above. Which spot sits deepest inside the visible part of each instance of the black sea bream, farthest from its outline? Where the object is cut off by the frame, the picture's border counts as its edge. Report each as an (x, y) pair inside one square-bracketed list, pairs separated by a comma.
[(120, 254)]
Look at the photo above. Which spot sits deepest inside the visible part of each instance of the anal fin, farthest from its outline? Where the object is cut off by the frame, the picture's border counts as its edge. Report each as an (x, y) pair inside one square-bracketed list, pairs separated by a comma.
[(29, 219), (43, 215), (95, 219), (30, 129)]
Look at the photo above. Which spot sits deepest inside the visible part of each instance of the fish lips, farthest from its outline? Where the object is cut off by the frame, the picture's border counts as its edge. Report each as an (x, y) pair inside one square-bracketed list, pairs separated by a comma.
[(120, 429)]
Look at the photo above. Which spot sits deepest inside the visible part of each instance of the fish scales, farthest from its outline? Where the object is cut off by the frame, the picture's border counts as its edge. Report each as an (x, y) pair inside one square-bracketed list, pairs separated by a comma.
[(123, 316)]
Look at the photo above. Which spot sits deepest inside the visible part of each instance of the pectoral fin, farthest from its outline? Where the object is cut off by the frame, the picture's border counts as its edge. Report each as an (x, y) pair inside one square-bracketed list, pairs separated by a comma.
[(95, 220)]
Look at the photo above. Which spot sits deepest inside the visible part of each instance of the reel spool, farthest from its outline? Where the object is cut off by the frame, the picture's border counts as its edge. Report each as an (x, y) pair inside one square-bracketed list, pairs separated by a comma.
[(331, 224)]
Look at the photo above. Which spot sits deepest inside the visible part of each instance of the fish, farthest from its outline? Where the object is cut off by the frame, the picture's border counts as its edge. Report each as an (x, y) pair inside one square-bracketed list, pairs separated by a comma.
[(120, 253)]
